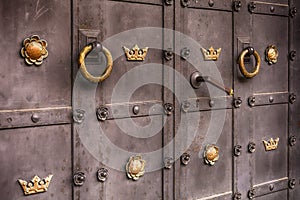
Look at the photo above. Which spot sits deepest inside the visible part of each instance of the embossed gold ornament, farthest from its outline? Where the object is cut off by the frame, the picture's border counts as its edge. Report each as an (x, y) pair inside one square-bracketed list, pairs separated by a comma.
[(211, 53), (36, 185), (135, 167), (135, 54), (86, 50), (211, 154), (34, 50), (271, 54), (271, 144)]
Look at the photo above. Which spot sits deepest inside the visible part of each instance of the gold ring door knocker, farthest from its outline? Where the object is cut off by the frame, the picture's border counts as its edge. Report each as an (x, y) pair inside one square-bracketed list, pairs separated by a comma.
[(86, 50), (249, 51)]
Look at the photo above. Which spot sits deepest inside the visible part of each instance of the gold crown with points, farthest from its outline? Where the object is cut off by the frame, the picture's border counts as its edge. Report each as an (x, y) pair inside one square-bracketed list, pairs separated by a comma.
[(211, 53), (36, 185), (136, 54), (271, 144)]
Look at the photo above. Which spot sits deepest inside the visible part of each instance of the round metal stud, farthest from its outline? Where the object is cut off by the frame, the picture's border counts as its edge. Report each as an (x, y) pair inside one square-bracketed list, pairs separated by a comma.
[(292, 140), (251, 101), (102, 174), (169, 108), (168, 2), (237, 150), (237, 196), (79, 178), (185, 3), (292, 98), (237, 102), (251, 7), (293, 12), (185, 106), (168, 54), (185, 158), (35, 118), (272, 9), (102, 113), (211, 3), (211, 154), (251, 194), (271, 187), (136, 109), (271, 99), (211, 103), (185, 53), (78, 115), (292, 55), (251, 147), (168, 162), (292, 183)]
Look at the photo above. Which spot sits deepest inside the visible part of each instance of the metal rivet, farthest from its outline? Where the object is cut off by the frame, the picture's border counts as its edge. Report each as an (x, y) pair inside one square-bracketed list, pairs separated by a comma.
[(102, 174), (237, 150), (78, 115), (185, 53), (272, 8), (35, 118), (9, 120), (292, 140), (136, 109), (251, 101), (211, 3), (185, 158), (211, 103), (168, 162), (251, 147), (79, 178), (237, 102), (271, 187), (169, 108), (185, 106), (102, 113), (271, 99)]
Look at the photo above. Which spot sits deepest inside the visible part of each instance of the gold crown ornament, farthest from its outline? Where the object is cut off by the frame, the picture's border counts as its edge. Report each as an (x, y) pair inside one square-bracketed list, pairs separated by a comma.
[(135, 54), (211, 53), (36, 185), (271, 144)]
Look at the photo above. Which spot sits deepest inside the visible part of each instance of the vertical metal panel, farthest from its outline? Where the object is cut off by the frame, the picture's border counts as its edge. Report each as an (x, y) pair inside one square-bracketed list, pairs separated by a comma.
[(24, 86), (197, 179), (26, 152), (270, 165)]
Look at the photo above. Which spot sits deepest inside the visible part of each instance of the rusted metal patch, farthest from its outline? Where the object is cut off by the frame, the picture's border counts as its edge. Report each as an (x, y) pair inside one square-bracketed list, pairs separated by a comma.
[(206, 103), (268, 8), (268, 99), (34, 117), (133, 109), (270, 186)]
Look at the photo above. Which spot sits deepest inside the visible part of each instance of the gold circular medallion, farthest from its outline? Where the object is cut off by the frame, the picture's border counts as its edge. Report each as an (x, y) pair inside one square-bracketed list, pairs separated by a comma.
[(34, 50), (135, 167), (271, 54), (211, 154)]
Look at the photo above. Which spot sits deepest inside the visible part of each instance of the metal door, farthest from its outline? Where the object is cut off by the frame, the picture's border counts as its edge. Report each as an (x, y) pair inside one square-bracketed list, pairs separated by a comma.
[(178, 117), (35, 110)]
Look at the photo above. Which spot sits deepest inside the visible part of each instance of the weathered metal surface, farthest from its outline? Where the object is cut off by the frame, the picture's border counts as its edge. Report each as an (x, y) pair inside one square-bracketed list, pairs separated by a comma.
[(35, 117), (272, 8), (261, 99), (36, 150)]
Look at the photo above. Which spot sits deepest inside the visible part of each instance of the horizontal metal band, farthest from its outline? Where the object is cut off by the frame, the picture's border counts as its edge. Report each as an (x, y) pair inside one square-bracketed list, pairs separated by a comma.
[(34, 117), (268, 98), (126, 110), (270, 8), (151, 2), (217, 5), (206, 103), (271, 186), (225, 195)]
